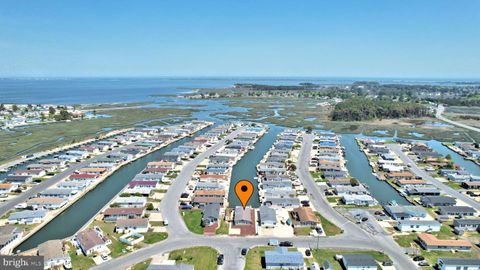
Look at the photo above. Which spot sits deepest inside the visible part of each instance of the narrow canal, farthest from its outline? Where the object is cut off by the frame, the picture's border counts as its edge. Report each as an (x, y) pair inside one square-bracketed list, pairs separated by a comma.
[(458, 159), (246, 168), (358, 167), (73, 218)]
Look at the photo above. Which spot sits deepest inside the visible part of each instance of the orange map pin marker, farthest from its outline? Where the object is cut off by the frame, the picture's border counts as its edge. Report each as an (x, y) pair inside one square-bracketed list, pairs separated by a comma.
[(244, 190)]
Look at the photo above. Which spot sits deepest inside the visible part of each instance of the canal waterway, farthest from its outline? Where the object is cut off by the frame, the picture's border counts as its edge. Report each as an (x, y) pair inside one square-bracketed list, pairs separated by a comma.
[(80, 212), (458, 159), (359, 168), (246, 167)]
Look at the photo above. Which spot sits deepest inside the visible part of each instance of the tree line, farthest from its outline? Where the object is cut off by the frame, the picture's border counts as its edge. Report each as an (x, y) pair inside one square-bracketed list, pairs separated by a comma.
[(359, 109)]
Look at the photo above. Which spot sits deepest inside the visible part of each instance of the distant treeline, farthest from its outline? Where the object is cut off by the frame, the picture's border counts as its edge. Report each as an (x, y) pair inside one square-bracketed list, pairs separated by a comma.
[(359, 109), (264, 87)]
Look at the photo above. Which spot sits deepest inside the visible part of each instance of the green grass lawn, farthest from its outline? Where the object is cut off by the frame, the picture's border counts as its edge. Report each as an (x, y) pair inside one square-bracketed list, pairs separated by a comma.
[(405, 240), (454, 185), (204, 258), (254, 256), (302, 231), (118, 248), (193, 220), (329, 228), (79, 261), (322, 255), (223, 229), (154, 237), (333, 199), (142, 265)]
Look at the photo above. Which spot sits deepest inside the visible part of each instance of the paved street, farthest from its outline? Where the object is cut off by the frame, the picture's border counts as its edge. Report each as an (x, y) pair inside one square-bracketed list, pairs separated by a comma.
[(441, 109), (420, 172), (179, 236)]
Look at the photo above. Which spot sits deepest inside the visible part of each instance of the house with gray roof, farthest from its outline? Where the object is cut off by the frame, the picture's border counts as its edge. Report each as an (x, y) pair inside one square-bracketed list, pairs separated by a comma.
[(358, 261), (27, 217), (282, 258), (282, 202), (58, 192), (461, 211), (461, 225), (405, 212), (431, 201), (243, 216), (267, 216), (211, 214), (10, 237)]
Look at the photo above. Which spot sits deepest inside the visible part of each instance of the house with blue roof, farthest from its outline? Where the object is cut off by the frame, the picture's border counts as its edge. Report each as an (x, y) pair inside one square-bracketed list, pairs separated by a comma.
[(282, 258)]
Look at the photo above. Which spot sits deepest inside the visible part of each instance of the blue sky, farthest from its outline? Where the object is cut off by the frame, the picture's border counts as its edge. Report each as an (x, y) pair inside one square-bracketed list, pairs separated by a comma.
[(410, 38)]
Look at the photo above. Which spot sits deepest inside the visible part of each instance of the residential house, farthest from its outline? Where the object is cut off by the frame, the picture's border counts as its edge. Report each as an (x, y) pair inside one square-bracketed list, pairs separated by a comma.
[(92, 241), (133, 225), (429, 242), (461, 211), (211, 214), (58, 193), (281, 257), (10, 237), (130, 202), (304, 217), (267, 216), (7, 187), (418, 226), (244, 216), (405, 212), (358, 199), (49, 203), (112, 214), (359, 262), (27, 217), (54, 255), (431, 201), (19, 179), (461, 225), (458, 264)]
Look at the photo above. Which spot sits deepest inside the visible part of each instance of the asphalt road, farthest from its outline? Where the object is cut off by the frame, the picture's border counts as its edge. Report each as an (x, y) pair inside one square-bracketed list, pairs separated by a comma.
[(420, 172), (441, 109), (180, 237)]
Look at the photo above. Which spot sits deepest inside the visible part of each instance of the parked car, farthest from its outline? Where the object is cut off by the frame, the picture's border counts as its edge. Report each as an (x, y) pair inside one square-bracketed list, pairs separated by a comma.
[(423, 263), (286, 244), (220, 259), (418, 258), (244, 251), (165, 222), (387, 263), (273, 242), (308, 253)]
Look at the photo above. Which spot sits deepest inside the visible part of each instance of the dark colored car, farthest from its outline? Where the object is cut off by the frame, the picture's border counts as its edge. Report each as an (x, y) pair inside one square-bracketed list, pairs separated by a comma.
[(308, 253), (364, 219), (220, 259), (286, 244), (418, 258), (244, 251)]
